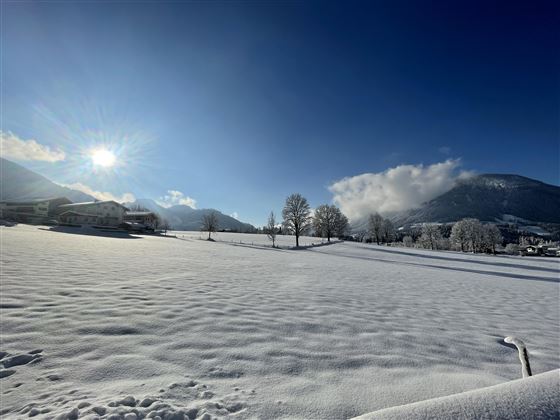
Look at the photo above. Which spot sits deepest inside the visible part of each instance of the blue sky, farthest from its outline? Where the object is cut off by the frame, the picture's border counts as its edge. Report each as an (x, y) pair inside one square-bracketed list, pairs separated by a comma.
[(238, 104)]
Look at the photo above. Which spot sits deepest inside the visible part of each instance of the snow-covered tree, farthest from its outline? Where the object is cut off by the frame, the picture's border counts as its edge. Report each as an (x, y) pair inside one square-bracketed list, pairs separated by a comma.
[(459, 234), (492, 237), (475, 234), (296, 215), (375, 227), (210, 223), (408, 241), (431, 235), (271, 229), (512, 249)]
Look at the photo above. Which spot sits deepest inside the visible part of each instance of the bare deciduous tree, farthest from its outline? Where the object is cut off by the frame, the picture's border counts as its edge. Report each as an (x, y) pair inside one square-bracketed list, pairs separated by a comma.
[(341, 225), (388, 231), (296, 215), (329, 221), (271, 229), (165, 226), (375, 227), (210, 223)]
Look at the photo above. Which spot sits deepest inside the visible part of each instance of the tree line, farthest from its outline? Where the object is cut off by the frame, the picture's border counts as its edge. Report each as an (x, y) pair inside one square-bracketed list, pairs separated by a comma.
[(297, 219), (466, 235), (327, 221)]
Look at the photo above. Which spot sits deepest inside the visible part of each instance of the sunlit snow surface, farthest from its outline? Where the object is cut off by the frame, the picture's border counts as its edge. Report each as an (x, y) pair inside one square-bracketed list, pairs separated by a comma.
[(244, 331)]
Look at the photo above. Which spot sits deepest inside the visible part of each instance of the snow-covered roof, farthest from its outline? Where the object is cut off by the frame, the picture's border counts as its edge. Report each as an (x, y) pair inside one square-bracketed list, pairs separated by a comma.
[(78, 213), (139, 213), (89, 203), (33, 201)]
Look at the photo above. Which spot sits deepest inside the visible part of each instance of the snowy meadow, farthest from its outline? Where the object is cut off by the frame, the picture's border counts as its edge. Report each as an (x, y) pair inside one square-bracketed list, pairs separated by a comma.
[(134, 327)]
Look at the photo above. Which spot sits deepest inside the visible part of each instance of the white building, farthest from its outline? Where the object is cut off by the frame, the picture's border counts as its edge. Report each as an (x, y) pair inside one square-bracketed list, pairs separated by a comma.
[(32, 211), (98, 213)]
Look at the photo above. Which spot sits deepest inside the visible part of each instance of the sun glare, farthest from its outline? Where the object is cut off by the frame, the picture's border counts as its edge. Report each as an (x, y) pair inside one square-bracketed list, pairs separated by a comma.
[(103, 157)]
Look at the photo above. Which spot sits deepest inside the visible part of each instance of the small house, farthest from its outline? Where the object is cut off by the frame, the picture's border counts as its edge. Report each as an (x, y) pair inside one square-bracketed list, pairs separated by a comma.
[(146, 218)]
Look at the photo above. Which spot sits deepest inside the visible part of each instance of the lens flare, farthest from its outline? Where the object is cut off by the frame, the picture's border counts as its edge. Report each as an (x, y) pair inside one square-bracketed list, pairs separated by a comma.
[(103, 157)]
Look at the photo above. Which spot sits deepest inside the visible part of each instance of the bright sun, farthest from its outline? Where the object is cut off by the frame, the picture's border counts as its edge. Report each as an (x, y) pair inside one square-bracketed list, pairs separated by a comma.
[(103, 157)]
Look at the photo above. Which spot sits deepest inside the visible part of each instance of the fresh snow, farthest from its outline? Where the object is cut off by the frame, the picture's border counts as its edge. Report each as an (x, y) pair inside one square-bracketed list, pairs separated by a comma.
[(537, 397), (126, 327)]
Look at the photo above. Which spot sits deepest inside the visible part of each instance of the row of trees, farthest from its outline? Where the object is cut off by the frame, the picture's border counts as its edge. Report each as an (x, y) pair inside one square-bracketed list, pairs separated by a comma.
[(380, 230), (328, 221), (471, 235), (467, 235)]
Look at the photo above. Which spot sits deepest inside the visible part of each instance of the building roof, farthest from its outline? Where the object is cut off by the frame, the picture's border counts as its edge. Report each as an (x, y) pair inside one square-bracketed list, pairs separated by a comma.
[(88, 203), (139, 213), (78, 213), (34, 201)]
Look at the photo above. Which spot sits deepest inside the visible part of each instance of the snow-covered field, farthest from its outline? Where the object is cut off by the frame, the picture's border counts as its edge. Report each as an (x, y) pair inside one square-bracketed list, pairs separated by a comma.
[(101, 326), (282, 241)]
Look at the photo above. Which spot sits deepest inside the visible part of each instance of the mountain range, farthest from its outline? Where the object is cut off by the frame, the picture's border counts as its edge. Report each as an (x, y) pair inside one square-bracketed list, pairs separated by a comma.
[(488, 197), (20, 183), (491, 198), (182, 217)]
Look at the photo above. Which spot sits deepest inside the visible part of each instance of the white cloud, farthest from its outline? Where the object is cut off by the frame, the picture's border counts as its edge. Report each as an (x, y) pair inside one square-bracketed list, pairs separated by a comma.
[(174, 197), (101, 195), (400, 188), (12, 147), (234, 215)]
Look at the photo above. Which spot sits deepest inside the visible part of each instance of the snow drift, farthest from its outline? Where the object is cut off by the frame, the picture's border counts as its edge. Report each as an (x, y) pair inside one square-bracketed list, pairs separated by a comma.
[(536, 397)]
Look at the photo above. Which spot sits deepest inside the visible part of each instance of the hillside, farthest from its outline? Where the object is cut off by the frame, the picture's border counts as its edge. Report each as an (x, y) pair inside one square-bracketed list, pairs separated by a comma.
[(181, 217), (490, 197), (19, 183)]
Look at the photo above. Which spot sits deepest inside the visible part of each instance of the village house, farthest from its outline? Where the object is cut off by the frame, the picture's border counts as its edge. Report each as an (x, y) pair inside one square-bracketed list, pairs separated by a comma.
[(96, 213), (35, 211), (146, 218), (540, 250)]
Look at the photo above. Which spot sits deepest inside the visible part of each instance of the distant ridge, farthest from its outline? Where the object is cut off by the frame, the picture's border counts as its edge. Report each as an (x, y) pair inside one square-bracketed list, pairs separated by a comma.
[(182, 217), (19, 183), (492, 198)]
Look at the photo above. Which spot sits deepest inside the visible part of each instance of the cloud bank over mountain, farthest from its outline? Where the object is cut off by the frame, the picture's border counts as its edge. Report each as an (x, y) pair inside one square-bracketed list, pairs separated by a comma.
[(174, 197), (396, 189), (100, 195), (13, 147)]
